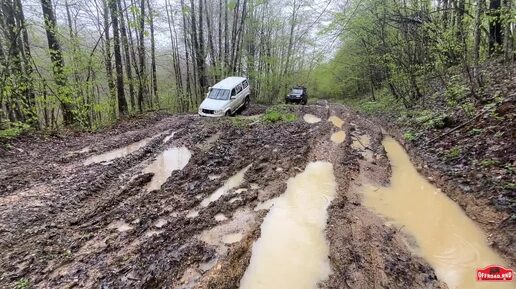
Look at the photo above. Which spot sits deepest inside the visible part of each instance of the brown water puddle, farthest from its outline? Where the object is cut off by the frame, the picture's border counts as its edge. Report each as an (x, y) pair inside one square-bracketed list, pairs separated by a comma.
[(230, 231), (292, 251), (338, 122), (310, 118), (338, 137), (169, 137), (229, 184), (166, 162), (446, 237), (361, 144), (118, 153)]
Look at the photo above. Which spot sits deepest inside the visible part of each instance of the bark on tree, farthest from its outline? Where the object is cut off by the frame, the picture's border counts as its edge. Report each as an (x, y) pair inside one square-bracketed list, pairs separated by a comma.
[(125, 45), (57, 62), (478, 33), (120, 92), (142, 83), (495, 27), (107, 54), (175, 56), (153, 54)]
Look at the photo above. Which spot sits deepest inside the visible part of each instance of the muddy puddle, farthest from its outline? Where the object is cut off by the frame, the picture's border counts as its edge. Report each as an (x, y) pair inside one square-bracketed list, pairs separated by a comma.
[(118, 153), (361, 144), (310, 118), (169, 160), (229, 184), (337, 121), (292, 251), (437, 228), (338, 137)]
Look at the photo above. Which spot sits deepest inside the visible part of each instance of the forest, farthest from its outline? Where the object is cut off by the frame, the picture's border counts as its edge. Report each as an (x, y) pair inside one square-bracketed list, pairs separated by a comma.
[(87, 63)]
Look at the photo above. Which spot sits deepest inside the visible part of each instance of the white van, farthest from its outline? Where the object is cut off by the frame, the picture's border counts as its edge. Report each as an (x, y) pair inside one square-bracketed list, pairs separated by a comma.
[(226, 97)]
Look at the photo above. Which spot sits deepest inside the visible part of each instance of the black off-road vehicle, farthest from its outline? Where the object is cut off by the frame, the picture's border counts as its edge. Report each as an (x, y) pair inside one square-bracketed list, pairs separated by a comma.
[(297, 95)]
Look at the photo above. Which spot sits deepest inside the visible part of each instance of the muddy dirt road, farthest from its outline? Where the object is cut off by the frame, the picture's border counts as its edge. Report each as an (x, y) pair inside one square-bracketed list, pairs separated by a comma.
[(178, 202)]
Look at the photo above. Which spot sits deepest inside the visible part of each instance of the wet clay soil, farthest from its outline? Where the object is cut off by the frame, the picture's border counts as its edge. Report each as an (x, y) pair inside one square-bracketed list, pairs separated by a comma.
[(65, 223)]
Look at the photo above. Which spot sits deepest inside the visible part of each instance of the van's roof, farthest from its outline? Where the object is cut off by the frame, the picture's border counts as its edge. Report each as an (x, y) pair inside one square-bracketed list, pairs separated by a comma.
[(229, 82)]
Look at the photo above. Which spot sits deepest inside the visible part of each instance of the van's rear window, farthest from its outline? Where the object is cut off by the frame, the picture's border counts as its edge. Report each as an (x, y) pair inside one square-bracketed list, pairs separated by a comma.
[(220, 94)]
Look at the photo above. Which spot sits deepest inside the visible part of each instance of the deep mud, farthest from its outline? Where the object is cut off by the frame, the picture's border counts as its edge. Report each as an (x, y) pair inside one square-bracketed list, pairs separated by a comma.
[(67, 224)]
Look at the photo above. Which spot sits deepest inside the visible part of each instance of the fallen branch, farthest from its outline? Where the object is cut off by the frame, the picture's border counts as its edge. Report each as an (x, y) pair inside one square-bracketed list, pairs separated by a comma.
[(457, 127)]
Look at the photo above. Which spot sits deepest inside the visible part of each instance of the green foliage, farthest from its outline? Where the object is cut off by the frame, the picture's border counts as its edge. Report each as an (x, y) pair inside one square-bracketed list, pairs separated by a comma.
[(476, 131), (278, 113), (455, 91), (410, 136), (510, 186), (22, 283), (468, 108), (241, 121), (488, 162), (16, 129), (453, 153)]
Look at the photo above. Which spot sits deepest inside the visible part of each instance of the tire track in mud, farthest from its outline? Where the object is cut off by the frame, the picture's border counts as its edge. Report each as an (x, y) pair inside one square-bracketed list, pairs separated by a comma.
[(98, 226)]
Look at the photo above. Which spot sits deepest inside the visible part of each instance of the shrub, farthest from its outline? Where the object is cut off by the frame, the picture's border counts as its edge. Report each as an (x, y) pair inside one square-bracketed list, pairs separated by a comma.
[(453, 153), (278, 113), (16, 129)]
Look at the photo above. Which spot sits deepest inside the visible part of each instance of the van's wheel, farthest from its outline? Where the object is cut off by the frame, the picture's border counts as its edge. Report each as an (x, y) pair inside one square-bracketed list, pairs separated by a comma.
[(247, 101)]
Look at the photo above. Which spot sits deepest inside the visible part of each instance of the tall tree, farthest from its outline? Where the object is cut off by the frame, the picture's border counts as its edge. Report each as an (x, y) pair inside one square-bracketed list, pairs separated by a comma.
[(153, 54), (142, 84), (122, 103), (57, 62), (495, 26), (127, 56), (107, 54)]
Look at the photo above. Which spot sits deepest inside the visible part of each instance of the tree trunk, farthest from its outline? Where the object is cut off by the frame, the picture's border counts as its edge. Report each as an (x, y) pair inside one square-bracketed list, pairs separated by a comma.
[(478, 34), (122, 103), (57, 62), (210, 34), (239, 39), (175, 55), (153, 55), (200, 55), (226, 37), (495, 27), (220, 33), (187, 55), (107, 55), (293, 20), (141, 57), (125, 45), (507, 33)]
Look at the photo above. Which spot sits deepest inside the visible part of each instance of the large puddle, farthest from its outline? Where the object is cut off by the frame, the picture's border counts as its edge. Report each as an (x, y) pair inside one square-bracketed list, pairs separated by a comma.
[(292, 251), (169, 160), (229, 184), (118, 153), (445, 236), (310, 118), (337, 121), (338, 137)]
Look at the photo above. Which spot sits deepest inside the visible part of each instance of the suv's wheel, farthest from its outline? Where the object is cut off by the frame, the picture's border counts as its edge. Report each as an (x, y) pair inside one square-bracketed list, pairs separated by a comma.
[(287, 102), (247, 101), (228, 113), (303, 102)]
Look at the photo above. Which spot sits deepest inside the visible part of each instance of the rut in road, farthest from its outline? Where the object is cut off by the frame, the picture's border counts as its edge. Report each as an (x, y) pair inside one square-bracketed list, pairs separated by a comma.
[(64, 223)]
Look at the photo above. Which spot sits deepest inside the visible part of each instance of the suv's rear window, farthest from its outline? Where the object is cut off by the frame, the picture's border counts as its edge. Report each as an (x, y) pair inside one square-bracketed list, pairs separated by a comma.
[(220, 94), (297, 91)]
